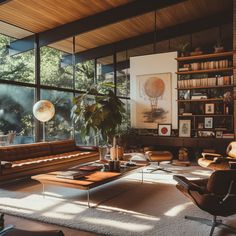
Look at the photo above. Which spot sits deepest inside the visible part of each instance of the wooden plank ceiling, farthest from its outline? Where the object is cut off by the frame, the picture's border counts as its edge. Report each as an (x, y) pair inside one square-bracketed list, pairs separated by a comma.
[(41, 15)]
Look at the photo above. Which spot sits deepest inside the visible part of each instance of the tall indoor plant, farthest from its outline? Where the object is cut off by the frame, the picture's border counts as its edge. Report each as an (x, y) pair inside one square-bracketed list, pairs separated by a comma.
[(99, 114)]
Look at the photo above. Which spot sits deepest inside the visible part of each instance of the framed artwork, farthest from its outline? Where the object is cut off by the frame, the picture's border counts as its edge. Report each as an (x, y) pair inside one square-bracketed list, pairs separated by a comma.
[(164, 129), (209, 108), (208, 122), (184, 128), (153, 100)]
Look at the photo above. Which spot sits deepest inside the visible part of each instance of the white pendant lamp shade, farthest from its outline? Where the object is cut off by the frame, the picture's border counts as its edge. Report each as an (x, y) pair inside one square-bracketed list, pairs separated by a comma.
[(43, 110)]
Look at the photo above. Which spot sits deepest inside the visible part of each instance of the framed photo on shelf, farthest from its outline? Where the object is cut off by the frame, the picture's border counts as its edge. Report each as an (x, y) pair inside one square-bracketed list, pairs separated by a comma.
[(208, 122), (184, 128), (200, 126), (219, 134), (164, 129), (209, 108)]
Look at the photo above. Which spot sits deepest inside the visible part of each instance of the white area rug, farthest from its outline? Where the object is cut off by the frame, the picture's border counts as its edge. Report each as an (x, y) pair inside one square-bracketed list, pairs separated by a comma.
[(125, 207)]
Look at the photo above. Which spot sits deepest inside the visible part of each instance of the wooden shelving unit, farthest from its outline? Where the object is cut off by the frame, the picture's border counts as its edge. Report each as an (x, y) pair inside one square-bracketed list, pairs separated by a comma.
[(214, 84)]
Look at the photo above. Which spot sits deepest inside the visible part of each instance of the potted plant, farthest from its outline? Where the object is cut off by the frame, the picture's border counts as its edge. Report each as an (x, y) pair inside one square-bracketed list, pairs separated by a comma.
[(99, 114), (184, 48)]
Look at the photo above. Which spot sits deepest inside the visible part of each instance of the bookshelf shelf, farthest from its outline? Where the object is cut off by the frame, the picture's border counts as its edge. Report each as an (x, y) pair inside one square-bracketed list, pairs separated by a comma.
[(230, 69), (201, 100), (205, 56), (207, 87), (211, 115)]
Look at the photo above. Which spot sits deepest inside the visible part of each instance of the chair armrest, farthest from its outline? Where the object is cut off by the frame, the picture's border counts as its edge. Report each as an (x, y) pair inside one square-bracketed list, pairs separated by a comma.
[(188, 185), (210, 156), (87, 148), (232, 165)]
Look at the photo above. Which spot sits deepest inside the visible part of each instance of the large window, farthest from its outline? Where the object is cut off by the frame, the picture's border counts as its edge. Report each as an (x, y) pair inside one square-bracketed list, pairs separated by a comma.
[(60, 78)]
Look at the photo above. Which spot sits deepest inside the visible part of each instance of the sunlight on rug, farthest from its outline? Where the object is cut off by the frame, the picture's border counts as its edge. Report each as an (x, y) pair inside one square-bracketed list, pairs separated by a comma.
[(152, 208)]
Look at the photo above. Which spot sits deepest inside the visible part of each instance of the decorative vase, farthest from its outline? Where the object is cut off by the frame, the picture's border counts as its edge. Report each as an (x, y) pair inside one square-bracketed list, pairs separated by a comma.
[(116, 153)]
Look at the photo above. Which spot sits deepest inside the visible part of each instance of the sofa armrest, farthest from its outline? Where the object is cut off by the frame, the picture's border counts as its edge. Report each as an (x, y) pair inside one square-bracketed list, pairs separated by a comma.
[(5, 164), (210, 156), (188, 185), (87, 148)]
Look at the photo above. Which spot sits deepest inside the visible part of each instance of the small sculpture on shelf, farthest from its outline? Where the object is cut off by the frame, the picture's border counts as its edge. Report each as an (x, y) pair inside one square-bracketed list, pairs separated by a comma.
[(218, 47), (197, 51)]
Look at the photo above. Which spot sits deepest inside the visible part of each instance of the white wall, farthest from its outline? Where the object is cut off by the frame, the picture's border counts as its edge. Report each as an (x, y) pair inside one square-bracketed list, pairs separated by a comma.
[(151, 64)]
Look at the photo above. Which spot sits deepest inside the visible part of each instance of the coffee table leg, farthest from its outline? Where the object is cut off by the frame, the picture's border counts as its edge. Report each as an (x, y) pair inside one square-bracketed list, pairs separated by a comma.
[(88, 197), (43, 191), (142, 176)]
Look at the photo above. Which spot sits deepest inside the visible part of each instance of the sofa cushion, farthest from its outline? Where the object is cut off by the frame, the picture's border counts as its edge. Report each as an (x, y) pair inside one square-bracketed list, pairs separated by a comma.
[(58, 147), (24, 151), (30, 164)]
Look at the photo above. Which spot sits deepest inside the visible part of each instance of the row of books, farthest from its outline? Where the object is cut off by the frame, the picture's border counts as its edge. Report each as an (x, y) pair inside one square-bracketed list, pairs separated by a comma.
[(206, 65), (204, 82)]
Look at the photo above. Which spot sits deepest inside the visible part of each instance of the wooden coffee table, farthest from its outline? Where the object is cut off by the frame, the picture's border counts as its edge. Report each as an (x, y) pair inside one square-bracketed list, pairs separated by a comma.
[(90, 180)]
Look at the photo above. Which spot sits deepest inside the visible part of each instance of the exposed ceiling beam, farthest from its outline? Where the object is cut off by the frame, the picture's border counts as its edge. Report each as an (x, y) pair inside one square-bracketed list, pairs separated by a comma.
[(93, 22), (148, 38)]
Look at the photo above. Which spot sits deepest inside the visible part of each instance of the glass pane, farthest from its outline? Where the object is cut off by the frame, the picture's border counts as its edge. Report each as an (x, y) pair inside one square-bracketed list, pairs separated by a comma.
[(123, 83), (19, 67), (84, 76), (91, 139), (16, 103), (105, 71), (60, 127), (56, 65)]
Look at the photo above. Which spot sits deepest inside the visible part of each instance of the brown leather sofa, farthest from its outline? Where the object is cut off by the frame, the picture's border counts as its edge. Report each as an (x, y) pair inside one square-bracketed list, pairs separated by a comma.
[(29, 159)]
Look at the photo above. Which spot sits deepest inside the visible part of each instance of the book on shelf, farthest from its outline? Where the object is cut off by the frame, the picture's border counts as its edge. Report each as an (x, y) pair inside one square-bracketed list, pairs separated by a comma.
[(70, 174), (184, 69), (187, 114), (208, 65), (197, 97)]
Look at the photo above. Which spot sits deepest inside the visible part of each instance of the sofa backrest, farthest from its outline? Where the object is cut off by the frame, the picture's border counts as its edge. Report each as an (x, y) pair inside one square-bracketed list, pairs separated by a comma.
[(24, 151), (58, 147)]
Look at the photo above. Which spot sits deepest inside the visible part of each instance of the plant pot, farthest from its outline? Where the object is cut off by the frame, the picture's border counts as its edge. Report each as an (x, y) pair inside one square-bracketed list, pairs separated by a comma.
[(219, 49)]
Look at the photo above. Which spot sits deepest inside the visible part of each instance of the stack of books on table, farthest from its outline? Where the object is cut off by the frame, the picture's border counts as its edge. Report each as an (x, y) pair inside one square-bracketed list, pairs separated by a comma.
[(70, 174)]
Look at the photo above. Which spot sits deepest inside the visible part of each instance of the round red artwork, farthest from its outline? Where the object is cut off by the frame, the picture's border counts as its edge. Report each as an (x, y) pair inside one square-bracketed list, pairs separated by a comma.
[(164, 130)]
